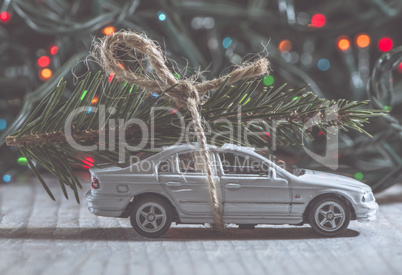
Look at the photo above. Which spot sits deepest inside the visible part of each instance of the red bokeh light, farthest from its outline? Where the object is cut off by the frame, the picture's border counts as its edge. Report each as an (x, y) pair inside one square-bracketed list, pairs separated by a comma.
[(54, 50), (43, 61), (318, 20), (89, 162), (111, 77), (385, 44), (4, 16), (400, 67)]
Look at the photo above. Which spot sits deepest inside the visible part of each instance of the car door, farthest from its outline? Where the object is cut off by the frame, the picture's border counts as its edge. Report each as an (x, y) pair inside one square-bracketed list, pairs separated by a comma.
[(251, 188), (186, 183)]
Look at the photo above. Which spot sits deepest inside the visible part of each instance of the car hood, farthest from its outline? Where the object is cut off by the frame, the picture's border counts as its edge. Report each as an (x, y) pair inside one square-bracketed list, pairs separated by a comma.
[(325, 179)]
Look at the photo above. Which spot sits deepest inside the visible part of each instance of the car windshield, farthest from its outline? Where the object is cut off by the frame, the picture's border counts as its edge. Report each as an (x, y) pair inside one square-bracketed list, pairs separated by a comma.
[(282, 164)]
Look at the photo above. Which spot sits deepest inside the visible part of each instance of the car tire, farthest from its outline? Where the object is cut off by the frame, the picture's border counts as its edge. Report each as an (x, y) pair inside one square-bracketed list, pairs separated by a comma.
[(151, 216), (329, 216)]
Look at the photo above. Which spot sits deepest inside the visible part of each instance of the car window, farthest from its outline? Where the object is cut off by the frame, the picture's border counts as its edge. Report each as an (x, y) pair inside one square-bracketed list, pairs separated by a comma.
[(190, 162), (166, 165), (234, 164)]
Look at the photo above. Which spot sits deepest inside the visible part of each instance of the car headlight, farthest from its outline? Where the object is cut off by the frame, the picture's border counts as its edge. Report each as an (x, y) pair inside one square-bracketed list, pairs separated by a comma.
[(368, 197)]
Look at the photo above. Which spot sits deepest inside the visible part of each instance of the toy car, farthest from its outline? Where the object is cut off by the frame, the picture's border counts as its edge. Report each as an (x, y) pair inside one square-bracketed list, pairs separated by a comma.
[(170, 186)]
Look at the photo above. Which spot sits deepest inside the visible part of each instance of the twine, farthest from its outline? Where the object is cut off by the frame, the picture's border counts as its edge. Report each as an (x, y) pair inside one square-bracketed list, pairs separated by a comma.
[(111, 49)]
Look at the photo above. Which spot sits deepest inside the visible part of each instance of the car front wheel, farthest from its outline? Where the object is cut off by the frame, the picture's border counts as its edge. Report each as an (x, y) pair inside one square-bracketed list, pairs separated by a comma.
[(329, 216), (151, 216)]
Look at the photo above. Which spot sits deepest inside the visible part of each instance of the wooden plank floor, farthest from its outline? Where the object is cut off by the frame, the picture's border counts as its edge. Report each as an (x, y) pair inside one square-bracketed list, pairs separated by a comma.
[(39, 236)]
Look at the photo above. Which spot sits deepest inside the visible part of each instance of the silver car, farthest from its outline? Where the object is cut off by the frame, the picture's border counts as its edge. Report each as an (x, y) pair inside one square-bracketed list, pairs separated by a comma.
[(170, 187)]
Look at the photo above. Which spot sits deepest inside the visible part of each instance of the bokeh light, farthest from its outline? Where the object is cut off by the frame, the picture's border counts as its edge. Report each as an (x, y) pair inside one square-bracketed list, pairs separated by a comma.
[(385, 44), (54, 50), (359, 176), (109, 30), (6, 178), (343, 43), (161, 16), (363, 40), (4, 16), (45, 74), (227, 41), (22, 161), (285, 45), (43, 61), (3, 124), (318, 20), (323, 64), (268, 80)]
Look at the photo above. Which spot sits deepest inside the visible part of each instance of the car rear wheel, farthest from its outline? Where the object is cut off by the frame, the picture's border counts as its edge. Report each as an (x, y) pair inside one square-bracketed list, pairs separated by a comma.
[(151, 216), (329, 216)]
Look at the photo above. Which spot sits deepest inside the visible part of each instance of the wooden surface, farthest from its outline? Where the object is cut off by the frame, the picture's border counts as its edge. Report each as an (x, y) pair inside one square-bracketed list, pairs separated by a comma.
[(39, 236)]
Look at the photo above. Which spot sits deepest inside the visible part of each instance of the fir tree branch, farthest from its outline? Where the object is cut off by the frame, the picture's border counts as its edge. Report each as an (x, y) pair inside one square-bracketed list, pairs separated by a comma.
[(263, 110)]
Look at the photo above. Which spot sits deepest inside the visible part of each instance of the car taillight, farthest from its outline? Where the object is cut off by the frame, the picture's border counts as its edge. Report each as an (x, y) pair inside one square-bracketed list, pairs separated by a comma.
[(95, 183)]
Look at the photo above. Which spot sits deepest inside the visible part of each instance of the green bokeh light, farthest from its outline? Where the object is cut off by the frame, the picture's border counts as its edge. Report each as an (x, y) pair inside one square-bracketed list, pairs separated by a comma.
[(359, 176), (268, 80), (22, 161)]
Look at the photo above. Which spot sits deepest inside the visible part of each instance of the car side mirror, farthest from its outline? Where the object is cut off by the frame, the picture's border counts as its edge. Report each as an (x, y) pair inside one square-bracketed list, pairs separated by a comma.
[(272, 173)]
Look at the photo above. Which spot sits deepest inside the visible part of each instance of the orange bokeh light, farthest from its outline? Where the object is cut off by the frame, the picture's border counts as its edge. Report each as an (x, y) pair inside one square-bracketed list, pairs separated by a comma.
[(363, 40), (108, 30), (285, 46), (95, 99), (343, 43), (45, 74)]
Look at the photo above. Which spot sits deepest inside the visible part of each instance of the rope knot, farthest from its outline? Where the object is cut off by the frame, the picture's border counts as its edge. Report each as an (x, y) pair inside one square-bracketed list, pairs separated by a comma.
[(183, 91)]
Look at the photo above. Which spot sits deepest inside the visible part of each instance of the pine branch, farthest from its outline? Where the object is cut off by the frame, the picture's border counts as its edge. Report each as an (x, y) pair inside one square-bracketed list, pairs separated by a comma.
[(258, 112)]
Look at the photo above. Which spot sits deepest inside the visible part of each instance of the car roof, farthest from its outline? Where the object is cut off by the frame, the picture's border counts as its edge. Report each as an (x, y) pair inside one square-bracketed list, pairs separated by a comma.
[(169, 150)]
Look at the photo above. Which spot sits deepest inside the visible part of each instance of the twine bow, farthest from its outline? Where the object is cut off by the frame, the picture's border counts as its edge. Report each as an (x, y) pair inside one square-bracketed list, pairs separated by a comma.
[(185, 92)]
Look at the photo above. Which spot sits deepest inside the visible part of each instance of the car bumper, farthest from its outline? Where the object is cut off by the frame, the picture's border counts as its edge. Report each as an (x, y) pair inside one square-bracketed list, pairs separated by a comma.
[(367, 212), (106, 205)]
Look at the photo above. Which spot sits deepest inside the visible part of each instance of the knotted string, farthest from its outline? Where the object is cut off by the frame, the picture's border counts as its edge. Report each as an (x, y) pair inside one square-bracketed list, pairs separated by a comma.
[(186, 93)]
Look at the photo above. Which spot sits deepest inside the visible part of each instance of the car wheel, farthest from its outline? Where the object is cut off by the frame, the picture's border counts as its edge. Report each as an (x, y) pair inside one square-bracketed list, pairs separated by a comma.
[(329, 216), (151, 216)]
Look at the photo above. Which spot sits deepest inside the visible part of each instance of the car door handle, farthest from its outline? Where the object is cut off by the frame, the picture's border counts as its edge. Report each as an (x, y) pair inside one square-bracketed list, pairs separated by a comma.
[(232, 186), (173, 184)]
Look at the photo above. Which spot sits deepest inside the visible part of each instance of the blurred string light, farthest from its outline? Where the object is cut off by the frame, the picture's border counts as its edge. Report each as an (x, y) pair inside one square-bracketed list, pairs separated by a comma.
[(323, 64), (359, 176), (385, 44), (110, 77), (95, 99), (202, 23), (43, 61), (108, 30), (285, 45), (3, 124), (303, 18), (161, 16), (45, 74), (54, 50), (88, 162), (22, 161), (268, 80), (363, 40), (343, 43), (6, 178), (227, 41), (5, 16), (318, 20)]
